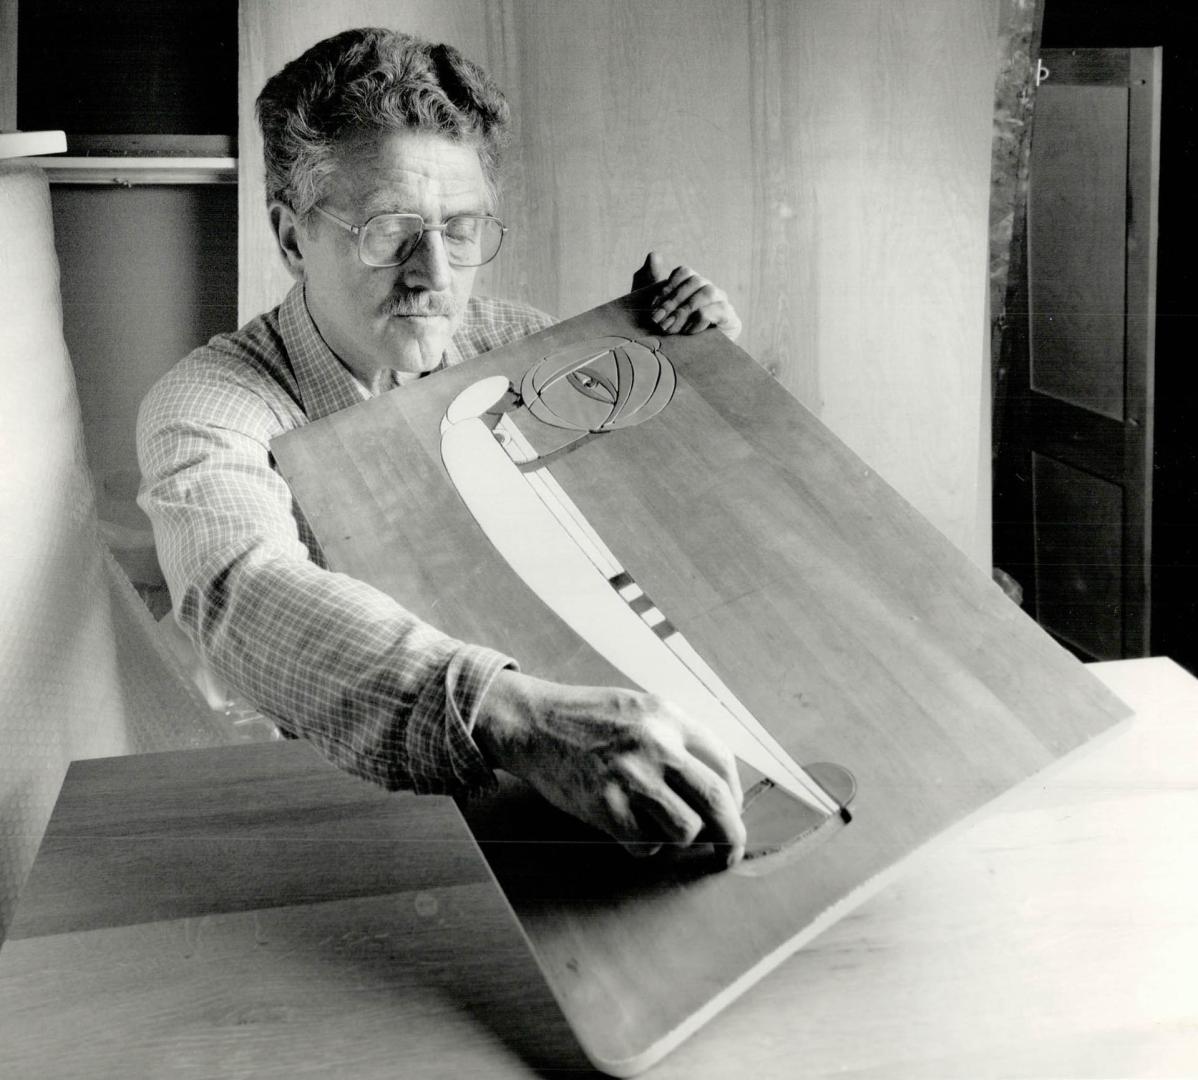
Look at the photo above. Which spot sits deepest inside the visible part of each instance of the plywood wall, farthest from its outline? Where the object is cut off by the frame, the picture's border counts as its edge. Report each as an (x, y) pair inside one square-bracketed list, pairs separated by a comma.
[(826, 161)]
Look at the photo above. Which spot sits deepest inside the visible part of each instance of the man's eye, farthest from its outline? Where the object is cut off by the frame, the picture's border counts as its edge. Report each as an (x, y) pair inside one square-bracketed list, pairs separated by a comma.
[(461, 229), (391, 228)]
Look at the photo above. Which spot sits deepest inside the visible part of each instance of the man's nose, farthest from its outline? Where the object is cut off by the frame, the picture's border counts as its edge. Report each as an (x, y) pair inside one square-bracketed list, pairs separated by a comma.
[(428, 266)]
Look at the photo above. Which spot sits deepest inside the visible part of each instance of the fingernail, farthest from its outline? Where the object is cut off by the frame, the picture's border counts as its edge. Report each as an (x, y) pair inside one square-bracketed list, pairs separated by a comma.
[(734, 856), (658, 314), (668, 324)]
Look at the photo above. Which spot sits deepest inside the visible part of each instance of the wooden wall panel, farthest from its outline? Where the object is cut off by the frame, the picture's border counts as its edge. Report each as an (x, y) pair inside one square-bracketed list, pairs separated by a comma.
[(888, 120), (827, 162), (635, 137)]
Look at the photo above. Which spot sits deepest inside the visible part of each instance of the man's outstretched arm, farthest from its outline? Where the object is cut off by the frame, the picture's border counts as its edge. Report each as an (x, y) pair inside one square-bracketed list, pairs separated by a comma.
[(383, 694)]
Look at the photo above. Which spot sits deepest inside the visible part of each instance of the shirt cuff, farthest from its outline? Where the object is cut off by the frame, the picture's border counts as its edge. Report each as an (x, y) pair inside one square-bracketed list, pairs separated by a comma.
[(468, 676)]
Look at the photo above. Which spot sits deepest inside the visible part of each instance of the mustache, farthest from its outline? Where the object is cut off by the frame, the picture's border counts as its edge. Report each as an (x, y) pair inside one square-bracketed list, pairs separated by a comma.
[(423, 302)]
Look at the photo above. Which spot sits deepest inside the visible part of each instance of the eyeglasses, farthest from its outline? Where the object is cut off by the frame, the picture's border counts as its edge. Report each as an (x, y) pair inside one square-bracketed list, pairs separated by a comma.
[(390, 239)]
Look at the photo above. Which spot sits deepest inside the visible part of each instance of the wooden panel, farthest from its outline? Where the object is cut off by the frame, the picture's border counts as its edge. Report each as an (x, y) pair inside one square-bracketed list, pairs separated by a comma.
[(1078, 245), (847, 624), (645, 170), (888, 170), (193, 912), (432, 982), (1087, 67), (93, 868), (1103, 237), (804, 155), (1139, 431), (1079, 556)]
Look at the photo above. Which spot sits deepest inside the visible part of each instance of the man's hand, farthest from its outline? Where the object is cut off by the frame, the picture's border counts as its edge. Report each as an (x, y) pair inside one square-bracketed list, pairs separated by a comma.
[(625, 762), (686, 302)]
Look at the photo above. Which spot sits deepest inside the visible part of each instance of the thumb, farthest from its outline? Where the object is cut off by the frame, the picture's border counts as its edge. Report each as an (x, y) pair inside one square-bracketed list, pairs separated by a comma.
[(652, 270)]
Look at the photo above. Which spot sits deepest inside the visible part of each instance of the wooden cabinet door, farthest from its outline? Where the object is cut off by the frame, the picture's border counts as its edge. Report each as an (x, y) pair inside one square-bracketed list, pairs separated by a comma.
[(1074, 490)]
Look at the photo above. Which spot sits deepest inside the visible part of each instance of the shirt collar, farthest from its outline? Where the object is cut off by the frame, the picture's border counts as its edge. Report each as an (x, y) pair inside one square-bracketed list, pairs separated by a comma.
[(325, 384)]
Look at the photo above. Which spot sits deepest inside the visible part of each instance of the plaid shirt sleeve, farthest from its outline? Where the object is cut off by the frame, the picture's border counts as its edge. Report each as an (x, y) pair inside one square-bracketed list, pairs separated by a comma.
[(381, 693)]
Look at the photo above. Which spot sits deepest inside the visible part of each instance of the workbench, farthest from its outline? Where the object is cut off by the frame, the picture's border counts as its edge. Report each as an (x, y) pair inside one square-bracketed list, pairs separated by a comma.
[(251, 911)]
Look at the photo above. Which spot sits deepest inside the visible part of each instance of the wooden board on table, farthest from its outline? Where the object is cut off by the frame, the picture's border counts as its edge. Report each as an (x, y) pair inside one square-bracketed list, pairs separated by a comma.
[(251, 910), (853, 630)]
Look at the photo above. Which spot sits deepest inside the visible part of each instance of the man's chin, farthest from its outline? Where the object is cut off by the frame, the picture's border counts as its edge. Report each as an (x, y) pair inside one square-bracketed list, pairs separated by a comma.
[(422, 341)]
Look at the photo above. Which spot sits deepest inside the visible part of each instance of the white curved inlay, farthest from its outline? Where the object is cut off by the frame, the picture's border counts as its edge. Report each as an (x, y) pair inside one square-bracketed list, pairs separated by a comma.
[(551, 563), (476, 399)]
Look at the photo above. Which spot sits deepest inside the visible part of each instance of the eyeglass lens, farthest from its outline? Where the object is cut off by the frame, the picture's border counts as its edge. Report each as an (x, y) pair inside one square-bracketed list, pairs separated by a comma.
[(470, 239)]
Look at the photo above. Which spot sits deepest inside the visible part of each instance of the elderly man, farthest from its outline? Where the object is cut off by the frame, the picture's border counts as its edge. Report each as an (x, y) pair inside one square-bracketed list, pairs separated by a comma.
[(381, 159)]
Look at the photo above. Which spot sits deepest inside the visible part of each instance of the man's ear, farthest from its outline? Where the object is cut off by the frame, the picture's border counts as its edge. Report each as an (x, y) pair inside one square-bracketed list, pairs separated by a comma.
[(286, 227)]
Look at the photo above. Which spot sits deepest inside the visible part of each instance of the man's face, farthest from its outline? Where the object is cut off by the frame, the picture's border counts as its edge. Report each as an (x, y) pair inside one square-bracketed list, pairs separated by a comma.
[(402, 317)]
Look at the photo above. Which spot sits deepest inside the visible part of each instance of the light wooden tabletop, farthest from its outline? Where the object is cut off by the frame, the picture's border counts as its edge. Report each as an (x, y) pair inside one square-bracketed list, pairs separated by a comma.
[(250, 911)]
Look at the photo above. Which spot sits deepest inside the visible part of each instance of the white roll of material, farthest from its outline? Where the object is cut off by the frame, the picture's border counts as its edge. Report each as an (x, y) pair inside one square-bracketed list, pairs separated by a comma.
[(81, 672)]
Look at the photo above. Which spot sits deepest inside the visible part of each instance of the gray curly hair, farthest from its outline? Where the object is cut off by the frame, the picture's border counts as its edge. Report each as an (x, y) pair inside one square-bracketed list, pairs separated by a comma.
[(371, 79)]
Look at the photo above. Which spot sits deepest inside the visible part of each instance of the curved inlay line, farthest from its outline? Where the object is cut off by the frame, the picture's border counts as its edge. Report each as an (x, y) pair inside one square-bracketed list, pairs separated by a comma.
[(548, 542), (600, 384)]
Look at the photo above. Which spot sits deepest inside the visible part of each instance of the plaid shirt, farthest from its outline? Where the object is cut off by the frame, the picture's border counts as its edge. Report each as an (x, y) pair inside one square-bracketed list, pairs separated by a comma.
[(381, 693)]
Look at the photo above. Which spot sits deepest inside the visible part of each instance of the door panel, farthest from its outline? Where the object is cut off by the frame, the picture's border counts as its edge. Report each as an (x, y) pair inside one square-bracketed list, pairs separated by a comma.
[(1077, 236), (1074, 481), (1079, 549)]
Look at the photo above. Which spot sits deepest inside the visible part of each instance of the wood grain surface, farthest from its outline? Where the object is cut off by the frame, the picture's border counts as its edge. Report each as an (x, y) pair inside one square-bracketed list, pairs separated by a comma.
[(1055, 937), (253, 911), (257, 851), (848, 625), (826, 163)]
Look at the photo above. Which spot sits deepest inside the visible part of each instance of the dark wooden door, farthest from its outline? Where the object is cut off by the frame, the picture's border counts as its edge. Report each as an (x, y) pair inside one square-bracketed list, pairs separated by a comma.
[(1074, 484)]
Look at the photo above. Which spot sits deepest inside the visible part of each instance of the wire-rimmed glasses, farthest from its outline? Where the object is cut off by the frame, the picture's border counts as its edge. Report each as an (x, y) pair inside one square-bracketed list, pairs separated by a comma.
[(390, 239)]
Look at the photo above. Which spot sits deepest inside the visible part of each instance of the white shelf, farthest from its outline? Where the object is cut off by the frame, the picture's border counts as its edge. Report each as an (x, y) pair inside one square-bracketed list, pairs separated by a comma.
[(128, 171), (15, 144)]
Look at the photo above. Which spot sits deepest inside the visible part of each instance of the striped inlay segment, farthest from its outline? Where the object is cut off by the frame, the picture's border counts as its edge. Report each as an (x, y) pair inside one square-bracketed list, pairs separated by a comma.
[(521, 452), (636, 598)]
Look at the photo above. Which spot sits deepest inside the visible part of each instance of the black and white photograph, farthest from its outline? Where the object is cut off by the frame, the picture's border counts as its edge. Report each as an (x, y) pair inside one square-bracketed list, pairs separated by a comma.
[(579, 538)]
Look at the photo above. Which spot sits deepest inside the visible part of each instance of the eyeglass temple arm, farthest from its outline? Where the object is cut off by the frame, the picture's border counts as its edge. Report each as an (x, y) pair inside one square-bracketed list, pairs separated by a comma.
[(354, 229)]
